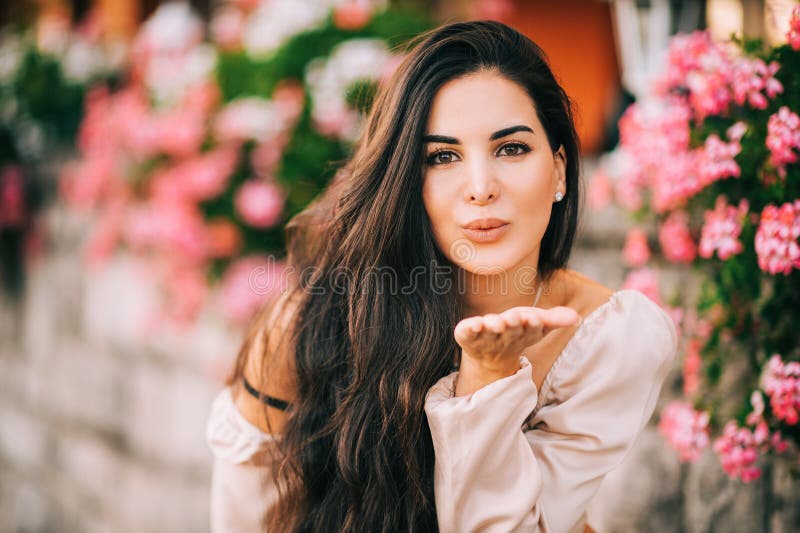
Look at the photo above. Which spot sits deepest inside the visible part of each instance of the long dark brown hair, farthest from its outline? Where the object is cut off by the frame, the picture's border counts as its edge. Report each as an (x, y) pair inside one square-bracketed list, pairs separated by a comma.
[(356, 451)]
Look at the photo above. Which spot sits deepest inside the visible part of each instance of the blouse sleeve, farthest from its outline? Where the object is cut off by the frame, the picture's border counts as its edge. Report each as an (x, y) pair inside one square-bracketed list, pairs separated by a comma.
[(242, 488), (492, 475)]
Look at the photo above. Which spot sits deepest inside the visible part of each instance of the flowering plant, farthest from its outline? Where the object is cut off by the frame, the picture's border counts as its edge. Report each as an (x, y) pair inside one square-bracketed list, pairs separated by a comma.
[(195, 162), (711, 159), (44, 73)]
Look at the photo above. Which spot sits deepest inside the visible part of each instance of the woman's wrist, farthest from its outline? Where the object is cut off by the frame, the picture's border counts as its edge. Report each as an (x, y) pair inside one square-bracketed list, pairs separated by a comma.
[(475, 374)]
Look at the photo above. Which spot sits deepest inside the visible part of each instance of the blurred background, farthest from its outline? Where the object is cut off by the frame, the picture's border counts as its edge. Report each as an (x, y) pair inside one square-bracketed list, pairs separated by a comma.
[(150, 153)]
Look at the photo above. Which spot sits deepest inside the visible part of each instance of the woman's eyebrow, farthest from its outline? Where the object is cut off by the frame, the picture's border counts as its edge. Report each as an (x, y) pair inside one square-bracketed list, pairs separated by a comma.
[(494, 136)]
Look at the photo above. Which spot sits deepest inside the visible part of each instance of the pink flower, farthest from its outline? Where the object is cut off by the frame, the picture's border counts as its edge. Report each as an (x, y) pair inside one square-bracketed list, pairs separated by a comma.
[(97, 129), (171, 227), (674, 181), (207, 176), (692, 364), (776, 239), (201, 98), (264, 158), (750, 78), (716, 160), (722, 228), (793, 36), (224, 238), (199, 178), (12, 197), (137, 129), (180, 133), (757, 414), (352, 14), (259, 203), (644, 280), (600, 190), (85, 183), (676, 240), (289, 98), (783, 138), (227, 28), (703, 67), (636, 253), (782, 385), (185, 291), (738, 450), (247, 284), (685, 429)]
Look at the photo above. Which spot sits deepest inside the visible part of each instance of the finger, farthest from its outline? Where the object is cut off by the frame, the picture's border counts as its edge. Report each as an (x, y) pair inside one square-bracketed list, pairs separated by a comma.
[(559, 317), (512, 320), (494, 323), (531, 320), (467, 329)]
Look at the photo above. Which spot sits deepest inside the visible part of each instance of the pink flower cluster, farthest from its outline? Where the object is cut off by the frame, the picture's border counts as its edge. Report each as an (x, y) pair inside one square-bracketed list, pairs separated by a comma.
[(147, 169), (782, 385), (722, 228), (783, 138), (655, 138), (715, 76), (636, 252), (247, 284), (675, 238), (685, 429), (777, 237), (739, 449), (692, 364), (644, 280), (793, 36)]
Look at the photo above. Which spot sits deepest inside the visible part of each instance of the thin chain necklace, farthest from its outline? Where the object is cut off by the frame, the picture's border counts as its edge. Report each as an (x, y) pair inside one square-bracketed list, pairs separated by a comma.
[(538, 294)]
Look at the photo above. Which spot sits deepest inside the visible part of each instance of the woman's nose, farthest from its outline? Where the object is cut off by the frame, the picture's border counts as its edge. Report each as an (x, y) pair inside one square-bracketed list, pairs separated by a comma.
[(481, 187)]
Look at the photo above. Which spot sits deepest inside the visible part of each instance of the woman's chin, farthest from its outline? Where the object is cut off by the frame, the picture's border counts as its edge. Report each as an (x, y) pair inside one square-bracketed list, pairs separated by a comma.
[(491, 264)]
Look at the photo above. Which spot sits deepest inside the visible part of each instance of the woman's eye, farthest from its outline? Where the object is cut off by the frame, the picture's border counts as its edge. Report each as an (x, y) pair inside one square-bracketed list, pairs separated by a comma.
[(441, 157), (513, 149)]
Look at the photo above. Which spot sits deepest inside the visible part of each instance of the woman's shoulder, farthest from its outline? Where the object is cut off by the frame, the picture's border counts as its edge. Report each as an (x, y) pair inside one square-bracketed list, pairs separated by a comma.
[(623, 331), (614, 311), (269, 365)]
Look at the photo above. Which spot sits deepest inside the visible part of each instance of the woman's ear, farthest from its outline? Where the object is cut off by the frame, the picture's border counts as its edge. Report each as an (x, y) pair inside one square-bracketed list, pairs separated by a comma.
[(560, 170)]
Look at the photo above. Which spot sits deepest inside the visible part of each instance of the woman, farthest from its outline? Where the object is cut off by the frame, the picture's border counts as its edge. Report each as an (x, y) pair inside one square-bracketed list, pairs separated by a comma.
[(433, 364)]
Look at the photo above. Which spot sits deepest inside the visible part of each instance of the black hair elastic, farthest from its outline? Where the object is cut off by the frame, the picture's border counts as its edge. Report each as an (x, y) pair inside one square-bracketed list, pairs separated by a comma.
[(267, 399)]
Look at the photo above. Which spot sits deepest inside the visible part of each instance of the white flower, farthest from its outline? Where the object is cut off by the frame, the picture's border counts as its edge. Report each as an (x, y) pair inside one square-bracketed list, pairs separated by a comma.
[(274, 22), (351, 61), (247, 118), (168, 76), (10, 58), (173, 27)]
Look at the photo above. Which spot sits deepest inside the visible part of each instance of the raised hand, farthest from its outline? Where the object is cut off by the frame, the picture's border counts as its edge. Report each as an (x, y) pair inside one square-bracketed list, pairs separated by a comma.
[(491, 344)]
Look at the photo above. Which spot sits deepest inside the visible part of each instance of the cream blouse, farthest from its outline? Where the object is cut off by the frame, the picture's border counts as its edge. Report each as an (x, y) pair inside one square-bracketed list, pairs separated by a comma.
[(509, 457)]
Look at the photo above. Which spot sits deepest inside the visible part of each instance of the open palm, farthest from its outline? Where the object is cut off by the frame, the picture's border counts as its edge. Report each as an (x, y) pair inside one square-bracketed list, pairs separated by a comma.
[(496, 340)]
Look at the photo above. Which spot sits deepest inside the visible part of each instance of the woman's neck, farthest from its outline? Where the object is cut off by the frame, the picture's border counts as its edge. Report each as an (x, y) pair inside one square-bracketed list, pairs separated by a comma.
[(484, 293)]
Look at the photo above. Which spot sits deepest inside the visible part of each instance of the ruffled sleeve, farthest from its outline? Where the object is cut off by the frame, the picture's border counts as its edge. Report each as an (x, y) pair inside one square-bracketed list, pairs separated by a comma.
[(493, 475), (242, 488), (486, 477)]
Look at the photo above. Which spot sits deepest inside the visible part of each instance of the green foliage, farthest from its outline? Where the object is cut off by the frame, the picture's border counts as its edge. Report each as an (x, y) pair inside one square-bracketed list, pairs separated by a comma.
[(310, 158)]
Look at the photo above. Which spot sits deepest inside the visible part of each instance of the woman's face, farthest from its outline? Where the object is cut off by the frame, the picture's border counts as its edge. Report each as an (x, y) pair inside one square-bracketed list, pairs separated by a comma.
[(487, 157)]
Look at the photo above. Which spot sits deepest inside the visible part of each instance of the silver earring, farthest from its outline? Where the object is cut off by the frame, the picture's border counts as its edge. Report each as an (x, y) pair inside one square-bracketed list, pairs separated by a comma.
[(559, 196)]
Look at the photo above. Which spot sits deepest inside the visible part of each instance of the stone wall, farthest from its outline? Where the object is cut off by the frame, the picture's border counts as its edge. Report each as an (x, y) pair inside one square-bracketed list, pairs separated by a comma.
[(103, 430)]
